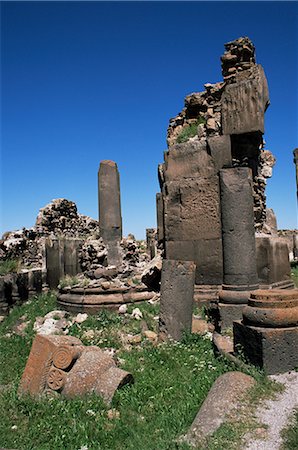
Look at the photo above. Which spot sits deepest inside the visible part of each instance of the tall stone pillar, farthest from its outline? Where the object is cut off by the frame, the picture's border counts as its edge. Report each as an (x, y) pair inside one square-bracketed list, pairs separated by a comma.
[(239, 247), (110, 209), (151, 242), (295, 152), (159, 217)]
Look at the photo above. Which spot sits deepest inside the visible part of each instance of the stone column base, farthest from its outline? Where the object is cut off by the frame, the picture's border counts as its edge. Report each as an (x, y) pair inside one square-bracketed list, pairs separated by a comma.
[(272, 349), (226, 314)]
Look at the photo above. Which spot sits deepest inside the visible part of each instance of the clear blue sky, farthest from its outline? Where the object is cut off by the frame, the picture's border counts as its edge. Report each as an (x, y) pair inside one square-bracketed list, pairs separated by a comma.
[(82, 82)]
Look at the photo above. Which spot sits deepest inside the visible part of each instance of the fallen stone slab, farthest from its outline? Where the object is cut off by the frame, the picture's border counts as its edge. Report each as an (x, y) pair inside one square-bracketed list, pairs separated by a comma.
[(223, 398), (63, 365), (152, 274)]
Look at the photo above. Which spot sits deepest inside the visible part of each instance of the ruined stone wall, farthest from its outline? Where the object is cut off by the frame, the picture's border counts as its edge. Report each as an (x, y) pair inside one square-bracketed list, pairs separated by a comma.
[(221, 127)]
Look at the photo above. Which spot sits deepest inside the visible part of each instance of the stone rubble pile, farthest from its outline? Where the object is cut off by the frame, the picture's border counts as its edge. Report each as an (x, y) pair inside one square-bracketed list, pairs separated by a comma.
[(58, 218), (61, 217)]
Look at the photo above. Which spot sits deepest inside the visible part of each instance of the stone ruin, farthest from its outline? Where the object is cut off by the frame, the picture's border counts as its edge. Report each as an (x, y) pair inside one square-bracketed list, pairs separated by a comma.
[(211, 213), (219, 129), (103, 268), (218, 240), (63, 365)]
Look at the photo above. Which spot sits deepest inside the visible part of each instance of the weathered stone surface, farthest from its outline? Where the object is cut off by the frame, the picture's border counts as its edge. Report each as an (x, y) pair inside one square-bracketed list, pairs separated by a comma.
[(222, 344), (109, 201), (244, 103), (221, 152), (92, 300), (223, 398), (62, 258), (39, 362), (160, 217), (226, 315), (192, 209), (207, 254), (188, 160), (238, 233), (151, 242), (272, 349), (106, 272), (176, 298), (95, 371), (63, 365), (152, 273), (273, 263), (272, 308)]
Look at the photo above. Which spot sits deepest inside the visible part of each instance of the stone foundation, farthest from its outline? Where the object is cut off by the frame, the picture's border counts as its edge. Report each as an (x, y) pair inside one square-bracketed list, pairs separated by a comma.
[(268, 332), (92, 300)]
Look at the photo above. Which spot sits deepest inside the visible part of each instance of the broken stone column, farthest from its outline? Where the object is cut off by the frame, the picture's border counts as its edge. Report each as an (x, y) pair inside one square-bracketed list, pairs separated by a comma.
[(151, 242), (176, 298), (239, 247), (268, 333), (110, 209), (63, 365)]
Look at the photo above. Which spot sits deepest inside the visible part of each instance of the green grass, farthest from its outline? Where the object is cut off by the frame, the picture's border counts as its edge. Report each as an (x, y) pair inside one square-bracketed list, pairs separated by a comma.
[(9, 266), (294, 273), (290, 435), (171, 382), (190, 131)]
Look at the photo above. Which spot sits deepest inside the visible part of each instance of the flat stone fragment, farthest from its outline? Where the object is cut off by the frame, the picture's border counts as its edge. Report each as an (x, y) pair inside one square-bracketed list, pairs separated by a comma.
[(223, 398)]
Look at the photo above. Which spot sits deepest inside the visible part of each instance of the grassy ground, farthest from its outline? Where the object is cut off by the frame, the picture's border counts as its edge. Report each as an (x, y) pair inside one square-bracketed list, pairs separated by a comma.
[(171, 382), (291, 434), (294, 273)]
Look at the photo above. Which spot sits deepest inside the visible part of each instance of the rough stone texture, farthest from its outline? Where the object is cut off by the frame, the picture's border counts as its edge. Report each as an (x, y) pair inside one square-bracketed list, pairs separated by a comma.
[(159, 218), (152, 274), (61, 217), (244, 103), (207, 254), (218, 128), (93, 299), (192, 209), (188, 160), (95, 371), (273, 265), (268, 333), (109, 201), (176, 298), (222, 344), (39, 362), (223, 398), (62, 364), (226, 315), (221, 151), (238, 227), (295, 152), (272, 349), (62, 258), (270, 226), (151, 242), (290, 237)]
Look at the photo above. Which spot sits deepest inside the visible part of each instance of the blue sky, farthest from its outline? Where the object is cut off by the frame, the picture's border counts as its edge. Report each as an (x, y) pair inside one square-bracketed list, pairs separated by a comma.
[(82, 82)]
